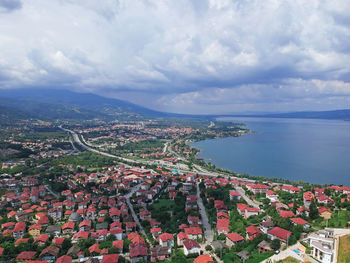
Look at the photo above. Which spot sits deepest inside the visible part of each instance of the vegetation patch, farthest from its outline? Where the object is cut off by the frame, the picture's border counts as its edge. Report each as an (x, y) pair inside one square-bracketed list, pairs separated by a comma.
[(344, 249)]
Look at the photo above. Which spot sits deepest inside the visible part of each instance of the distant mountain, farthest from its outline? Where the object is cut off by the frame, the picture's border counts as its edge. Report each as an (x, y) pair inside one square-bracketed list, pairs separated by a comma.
[(9, 115), (75, 102), (330, 115), (26, 108), (51, 104), (63, 104)]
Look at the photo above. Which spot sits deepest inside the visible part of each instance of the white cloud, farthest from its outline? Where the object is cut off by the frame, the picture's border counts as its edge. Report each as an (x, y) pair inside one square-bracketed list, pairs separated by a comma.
[(213, 52)]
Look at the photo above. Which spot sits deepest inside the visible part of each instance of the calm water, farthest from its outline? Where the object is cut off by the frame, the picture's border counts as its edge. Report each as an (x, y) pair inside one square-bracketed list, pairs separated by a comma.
[(316, 151)]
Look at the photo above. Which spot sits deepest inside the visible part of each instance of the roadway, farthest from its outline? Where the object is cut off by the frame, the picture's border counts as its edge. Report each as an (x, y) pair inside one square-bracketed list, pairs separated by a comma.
[(246, 198), (134, 216)]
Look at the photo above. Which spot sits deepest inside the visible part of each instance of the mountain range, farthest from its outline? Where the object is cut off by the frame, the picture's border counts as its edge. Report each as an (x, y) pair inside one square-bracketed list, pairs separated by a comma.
[(63, 104)]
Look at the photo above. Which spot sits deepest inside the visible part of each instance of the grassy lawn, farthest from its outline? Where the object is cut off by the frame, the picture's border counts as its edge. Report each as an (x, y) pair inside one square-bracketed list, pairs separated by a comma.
[(289, 260), (163, 205), (258, 257), (339, 219), (255, 257), (344, 249)]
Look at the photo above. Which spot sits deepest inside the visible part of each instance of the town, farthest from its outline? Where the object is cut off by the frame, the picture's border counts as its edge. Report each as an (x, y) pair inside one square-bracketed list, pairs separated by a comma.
[(135, 192)]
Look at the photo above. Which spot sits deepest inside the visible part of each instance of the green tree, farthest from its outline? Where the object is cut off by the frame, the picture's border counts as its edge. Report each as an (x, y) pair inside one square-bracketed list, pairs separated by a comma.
[(313, 211), (275, 244)]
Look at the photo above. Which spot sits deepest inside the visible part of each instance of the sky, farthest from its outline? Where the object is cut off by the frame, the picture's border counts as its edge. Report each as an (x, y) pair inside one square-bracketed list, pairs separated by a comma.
[(184, 56)]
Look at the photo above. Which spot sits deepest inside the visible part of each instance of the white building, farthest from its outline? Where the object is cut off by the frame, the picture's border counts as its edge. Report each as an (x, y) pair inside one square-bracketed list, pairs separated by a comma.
[(322, 246)]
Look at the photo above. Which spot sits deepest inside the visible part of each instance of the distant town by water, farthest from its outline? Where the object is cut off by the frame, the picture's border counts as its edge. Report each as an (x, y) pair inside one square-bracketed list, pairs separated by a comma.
[(315, 151)]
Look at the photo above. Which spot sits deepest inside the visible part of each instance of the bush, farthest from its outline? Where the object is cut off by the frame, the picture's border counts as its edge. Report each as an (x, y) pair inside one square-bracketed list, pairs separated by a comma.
[(208, 248), (276, 244)]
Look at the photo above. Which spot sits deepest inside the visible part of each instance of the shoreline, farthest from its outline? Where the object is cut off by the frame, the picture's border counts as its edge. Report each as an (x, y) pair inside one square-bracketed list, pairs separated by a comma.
[(232, 173)]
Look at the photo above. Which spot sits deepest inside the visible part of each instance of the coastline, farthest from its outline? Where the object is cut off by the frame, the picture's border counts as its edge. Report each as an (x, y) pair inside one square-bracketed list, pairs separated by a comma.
[(231, 172)]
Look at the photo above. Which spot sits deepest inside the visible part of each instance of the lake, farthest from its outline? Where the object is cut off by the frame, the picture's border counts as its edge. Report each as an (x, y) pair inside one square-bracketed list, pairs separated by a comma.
[(315, 151)]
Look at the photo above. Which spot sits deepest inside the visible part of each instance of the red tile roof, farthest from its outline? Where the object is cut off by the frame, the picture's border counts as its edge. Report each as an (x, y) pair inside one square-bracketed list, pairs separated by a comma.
[(111, 258), (190, 243), (64, 259), (234, 237), (252, 230), (26, 255), (286, 214), (165, 237), (280, 233), (203, 259), (299, 221)]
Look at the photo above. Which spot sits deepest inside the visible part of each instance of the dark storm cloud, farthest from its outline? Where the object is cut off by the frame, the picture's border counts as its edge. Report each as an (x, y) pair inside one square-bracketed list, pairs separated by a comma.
[(10, 5)]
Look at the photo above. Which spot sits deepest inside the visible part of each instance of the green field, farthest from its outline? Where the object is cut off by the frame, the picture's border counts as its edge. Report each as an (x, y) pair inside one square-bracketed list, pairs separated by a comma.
[(339, 219), (344, 249), (163, 205)]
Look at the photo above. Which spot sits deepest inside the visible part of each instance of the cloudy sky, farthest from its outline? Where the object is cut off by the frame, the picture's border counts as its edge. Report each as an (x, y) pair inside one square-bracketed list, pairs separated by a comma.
[(186, 56)]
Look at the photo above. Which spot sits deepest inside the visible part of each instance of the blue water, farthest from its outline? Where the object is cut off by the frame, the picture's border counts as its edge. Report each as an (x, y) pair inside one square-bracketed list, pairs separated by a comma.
[(315, 151)]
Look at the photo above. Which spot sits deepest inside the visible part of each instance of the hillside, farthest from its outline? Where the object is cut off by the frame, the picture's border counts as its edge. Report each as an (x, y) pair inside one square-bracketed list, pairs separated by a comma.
[(79, 103)]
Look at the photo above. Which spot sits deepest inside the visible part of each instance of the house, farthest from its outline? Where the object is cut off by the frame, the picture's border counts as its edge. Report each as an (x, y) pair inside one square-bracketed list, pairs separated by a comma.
[(94, 249), (101, 235), (85, 225), (117, 232), (67, 228), (279, 233), (308, 198), (323, 199), (194, 220), (234, 195), (303, 211), (58, 241), (180, 238), (41, 240), (130, 226), (145, 215), (222, 226), (25, 256), (19, 230), (80, 235), (291, 189), (21, 240), (50, 253), (266, 225), (35, 230), (110, 258), (322, 245), (286, 214), (64, 259), (138, 254), (166, 240), (252, 232), (204, 259), (272, 196), (257, 188), (251, 211), (222, 215), (191, 247), (53, 230), (264, 246), (118, 244), (246, 211), (324, 212), (300, 221), (159, 253), (233, 238), (74, 251), (156, 232), (193, 232)]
